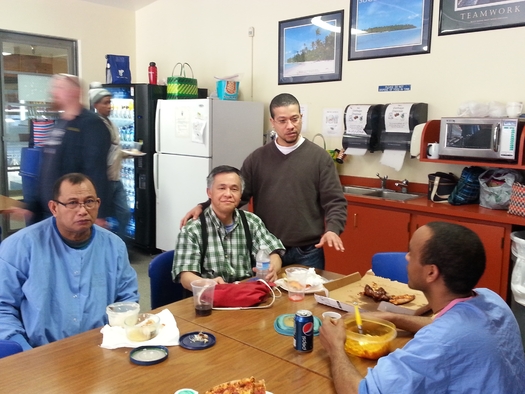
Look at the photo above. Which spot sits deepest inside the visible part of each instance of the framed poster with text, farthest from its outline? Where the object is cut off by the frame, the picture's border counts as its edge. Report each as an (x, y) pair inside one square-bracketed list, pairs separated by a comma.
[(463, 16)]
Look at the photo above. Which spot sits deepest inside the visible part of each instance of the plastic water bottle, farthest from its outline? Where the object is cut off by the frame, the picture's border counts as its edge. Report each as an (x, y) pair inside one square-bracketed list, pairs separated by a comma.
[(262, 261)]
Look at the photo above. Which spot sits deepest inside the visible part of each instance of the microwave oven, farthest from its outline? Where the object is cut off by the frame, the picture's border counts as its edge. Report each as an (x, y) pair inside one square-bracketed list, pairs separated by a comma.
[(480, 138)]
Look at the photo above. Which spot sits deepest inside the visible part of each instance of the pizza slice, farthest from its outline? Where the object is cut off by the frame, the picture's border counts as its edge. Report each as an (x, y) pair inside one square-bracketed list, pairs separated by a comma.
[(402, 299), (241, 386)]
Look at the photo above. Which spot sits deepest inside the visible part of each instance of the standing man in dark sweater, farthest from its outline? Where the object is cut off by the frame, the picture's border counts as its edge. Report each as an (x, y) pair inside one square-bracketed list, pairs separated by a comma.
[(295, 188), (79, 142)]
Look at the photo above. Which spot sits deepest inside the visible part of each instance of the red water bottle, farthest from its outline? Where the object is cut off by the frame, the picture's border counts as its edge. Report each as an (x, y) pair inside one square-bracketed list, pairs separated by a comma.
[(152, 73)]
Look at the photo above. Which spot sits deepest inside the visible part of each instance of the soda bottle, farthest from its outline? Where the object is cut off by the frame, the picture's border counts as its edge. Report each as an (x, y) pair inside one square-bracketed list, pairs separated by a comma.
[(262, 262), (152, 73)]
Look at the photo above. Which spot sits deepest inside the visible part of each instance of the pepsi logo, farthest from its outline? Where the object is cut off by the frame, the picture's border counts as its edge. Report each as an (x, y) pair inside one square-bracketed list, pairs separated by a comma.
[(308, 328)]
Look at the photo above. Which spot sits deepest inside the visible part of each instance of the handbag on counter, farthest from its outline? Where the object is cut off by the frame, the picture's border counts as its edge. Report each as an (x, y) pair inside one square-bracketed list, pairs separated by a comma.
[(517, 200), (467, 189), (243, 295), (440, 186), (182, 87)]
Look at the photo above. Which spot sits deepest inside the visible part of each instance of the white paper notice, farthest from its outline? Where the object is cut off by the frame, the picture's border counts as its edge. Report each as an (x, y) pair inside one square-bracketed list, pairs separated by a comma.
[(182, 122), (197, 134), (332, 121), (393, 158), (397, 117), (355, 119)]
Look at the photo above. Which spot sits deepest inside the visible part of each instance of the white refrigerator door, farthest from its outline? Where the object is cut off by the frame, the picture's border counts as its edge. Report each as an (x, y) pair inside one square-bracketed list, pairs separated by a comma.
[(182, 127), (180, 186)]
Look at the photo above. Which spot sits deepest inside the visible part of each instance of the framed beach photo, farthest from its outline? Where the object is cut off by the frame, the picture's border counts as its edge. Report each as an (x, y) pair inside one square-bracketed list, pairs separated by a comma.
[(463, 16), (311, 48), (389, 28)]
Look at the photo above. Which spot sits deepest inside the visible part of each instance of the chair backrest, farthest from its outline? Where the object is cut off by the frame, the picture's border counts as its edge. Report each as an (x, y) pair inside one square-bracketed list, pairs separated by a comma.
[(163, 289), (8, 348), (391, 265)]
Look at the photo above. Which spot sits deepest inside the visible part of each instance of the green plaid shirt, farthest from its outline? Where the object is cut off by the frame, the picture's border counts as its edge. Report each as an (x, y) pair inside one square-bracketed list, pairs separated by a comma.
[(227, 254)]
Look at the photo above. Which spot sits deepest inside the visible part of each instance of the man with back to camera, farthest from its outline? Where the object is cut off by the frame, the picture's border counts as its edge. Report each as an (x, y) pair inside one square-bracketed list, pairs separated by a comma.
[(471, 344), (79, 142), (227, 257), (295, 188), (57, 276), (100, 99)]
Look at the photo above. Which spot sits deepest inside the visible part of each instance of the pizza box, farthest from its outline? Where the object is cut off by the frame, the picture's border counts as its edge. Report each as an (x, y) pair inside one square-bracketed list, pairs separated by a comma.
[(344, 292)]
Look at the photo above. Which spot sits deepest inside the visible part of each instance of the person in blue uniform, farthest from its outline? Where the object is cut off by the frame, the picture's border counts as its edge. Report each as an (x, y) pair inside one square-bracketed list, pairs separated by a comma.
[(472, 342), (57, 276)]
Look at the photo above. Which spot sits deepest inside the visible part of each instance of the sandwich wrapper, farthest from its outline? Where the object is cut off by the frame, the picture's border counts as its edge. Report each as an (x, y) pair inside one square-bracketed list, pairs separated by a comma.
[(115, 337), (344, 292)]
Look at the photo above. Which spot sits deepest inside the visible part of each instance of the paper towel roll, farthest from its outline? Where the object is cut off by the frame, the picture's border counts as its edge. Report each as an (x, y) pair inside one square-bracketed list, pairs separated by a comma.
[(393, 158), (355, 151)]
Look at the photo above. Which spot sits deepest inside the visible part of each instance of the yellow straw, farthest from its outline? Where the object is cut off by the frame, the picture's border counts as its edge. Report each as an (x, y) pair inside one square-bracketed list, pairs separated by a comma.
[(358, 320)]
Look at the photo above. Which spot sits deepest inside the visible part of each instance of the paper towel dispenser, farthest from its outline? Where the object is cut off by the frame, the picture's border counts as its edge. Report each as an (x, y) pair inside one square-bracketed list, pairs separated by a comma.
[(362, 126), (397, 123)]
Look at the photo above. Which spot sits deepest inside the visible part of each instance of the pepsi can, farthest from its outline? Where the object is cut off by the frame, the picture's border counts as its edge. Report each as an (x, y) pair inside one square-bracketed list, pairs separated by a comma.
[(303, 338)]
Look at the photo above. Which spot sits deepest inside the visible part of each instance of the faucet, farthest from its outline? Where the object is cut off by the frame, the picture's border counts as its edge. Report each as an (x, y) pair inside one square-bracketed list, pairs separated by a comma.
[(383, 180), (403, 185)]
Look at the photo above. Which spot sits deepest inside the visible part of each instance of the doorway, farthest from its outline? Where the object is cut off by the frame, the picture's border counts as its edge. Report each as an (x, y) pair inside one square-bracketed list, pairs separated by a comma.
[(27, 65)]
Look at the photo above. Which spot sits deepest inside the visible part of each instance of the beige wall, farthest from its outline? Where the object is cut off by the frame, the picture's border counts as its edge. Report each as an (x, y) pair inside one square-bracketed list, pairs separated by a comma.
[(212, 36), (99, 29)]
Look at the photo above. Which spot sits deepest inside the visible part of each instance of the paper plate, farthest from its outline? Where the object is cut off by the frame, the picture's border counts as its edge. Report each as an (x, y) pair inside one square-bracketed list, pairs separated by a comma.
[(284, 324), (133, 152), (310, 290), (187, 341)]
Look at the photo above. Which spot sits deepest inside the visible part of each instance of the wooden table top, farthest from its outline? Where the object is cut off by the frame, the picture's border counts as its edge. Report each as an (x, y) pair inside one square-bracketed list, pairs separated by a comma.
[(79, 365), (247, 345), (254, 327), (8, 203)]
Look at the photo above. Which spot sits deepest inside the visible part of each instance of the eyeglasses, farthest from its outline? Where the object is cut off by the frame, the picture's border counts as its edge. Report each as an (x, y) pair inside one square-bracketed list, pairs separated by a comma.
[(293, 119), (88, 204)]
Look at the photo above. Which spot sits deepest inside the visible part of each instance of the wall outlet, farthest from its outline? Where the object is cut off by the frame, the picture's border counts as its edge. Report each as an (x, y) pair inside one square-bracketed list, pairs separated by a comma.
[(251, 31)]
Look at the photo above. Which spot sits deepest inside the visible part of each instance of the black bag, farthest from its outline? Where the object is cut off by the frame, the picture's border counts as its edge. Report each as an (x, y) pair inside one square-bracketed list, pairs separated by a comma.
[(440, 186), (467, 189)]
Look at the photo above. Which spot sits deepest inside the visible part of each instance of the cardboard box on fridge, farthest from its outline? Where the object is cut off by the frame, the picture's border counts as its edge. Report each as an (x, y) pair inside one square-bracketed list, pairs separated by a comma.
[(345, 291)]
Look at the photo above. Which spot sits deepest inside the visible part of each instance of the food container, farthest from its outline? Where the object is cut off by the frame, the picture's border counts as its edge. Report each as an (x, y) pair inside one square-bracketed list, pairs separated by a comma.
[(143, 327), (375, 340), (119, 311)]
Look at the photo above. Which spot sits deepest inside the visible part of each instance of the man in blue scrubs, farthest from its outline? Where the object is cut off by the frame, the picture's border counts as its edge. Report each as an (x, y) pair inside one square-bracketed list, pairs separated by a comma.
[(57, 276), (472, 343)]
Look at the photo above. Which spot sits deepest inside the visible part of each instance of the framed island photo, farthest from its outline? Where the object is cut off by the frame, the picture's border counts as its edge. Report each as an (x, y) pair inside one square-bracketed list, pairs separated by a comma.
[(463, 16), (389, 28), (311, 48)]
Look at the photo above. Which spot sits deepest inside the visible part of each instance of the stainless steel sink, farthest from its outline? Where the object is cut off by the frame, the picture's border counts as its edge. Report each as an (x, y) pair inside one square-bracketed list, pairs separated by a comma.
[(387, 194)]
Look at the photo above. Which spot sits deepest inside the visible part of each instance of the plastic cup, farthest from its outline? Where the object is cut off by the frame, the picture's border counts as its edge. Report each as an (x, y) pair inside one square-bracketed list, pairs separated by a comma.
[(119, 311), (203, 290), (296, 283)]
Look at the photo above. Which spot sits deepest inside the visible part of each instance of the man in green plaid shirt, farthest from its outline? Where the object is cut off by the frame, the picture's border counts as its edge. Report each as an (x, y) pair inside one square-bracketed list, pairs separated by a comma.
[(227, 258)]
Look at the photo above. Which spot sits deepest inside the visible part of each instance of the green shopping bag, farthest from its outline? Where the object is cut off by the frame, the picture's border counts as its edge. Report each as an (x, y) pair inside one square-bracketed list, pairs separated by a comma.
[(182, 87)]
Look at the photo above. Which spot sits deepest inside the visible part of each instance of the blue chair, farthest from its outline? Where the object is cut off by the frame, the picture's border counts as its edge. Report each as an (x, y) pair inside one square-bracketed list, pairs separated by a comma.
[(163, 290), (8, 348), (391, 265)]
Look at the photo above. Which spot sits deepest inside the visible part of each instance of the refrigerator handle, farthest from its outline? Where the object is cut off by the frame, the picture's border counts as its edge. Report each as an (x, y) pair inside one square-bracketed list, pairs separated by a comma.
[(157, 126), (156, 172)]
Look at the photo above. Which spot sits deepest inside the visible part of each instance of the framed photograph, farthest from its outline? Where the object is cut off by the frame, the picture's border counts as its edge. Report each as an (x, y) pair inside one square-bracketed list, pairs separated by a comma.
[(311, 48), (463, 16), (389, 28)]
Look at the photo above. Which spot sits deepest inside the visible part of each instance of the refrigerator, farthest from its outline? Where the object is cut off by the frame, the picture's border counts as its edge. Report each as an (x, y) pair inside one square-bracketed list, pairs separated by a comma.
[(192, 137), (133, 111)]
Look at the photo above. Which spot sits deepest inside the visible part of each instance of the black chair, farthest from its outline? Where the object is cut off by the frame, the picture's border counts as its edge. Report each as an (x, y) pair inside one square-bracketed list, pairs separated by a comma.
[(8, 348), (391, 265), (163, 290)]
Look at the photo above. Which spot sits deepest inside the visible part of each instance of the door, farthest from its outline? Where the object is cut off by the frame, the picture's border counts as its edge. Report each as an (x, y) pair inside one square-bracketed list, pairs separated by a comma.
[(182, 127), (27, 64), (180, 186)]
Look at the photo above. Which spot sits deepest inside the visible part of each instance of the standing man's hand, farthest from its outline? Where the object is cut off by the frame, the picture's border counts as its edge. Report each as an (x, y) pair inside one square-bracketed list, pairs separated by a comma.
[(102, 223), (193, 214), (331, 240)]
